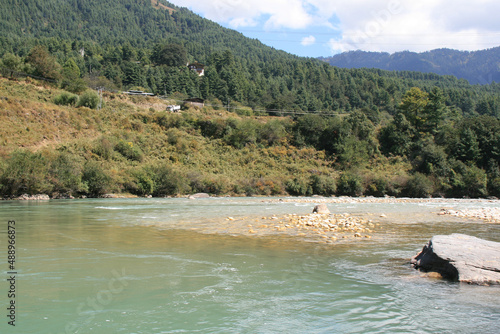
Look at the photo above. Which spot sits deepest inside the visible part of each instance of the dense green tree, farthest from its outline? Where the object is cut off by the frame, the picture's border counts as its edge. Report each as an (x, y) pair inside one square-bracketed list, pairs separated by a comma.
[(71, 79), (10, 63), (413, 106), (309, 130), (174, 55), (467, 147), (434, 111), (44, 64), (397, 137)]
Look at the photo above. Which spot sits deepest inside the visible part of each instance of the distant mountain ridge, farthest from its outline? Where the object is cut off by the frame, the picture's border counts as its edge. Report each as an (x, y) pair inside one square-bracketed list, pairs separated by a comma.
[(477, 67)]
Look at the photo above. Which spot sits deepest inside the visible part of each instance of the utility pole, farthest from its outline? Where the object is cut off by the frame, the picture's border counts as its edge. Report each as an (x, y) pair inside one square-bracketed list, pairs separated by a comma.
[(99, 89)]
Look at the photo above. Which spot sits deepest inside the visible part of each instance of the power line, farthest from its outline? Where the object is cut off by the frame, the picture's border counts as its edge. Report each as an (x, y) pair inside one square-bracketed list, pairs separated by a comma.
[(278, 111), (101, 89)]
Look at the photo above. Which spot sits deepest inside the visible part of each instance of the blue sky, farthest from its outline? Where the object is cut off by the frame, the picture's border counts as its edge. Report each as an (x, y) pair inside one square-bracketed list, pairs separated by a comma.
[(314, 28)]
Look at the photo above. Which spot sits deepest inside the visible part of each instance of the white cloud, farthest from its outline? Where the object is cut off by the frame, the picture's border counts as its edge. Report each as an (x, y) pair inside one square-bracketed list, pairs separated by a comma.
[(310, 40), (294, 14), (372, 25), (396, 25)]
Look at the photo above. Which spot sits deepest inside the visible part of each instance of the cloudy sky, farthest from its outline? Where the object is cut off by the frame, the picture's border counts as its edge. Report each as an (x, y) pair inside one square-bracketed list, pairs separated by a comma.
[(316, 28)]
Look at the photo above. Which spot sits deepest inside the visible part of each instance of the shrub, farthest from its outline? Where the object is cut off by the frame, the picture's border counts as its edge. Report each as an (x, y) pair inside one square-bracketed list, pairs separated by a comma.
[(299, 187), (195, 180), (213, 128), (95, 179), (75, 85), (418, 186), (142, 183), (89, 99), (267, 187), (469, 181), (350, 184), (494, 186), (103, 147), (242, 111), (323, 185), (66, 99), (168, 181), (168, 121), (273, 132), (245, 132), (66, 174), (217, 184), (25, 172), (129, 150)]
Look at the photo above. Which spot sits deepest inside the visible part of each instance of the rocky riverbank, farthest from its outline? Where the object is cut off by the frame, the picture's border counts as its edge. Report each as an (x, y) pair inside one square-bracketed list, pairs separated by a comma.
[(369, 199), (490, 215), (327, 228)]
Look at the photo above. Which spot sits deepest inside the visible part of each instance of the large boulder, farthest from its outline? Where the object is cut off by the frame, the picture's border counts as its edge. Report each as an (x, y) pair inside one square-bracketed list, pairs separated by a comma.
[(462, 258), (199, 195), (322, 209), (38, 197)]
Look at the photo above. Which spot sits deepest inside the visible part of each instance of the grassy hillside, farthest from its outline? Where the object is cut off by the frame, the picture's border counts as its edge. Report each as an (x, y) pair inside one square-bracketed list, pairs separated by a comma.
[(132, 145)]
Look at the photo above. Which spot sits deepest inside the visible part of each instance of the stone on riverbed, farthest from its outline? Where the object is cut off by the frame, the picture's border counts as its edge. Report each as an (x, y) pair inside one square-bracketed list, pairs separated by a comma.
[(460, 257), (38, 197), (199, 195), (322, 209)]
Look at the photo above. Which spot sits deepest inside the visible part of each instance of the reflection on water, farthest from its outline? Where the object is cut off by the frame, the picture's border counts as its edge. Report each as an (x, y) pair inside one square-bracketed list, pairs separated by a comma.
[(136, 266)]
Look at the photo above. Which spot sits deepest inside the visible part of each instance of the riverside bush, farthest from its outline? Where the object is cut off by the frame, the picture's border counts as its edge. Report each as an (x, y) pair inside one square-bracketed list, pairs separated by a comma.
[(168, 181), (96, 181), (494, 186), (323, 185), (25, 172), (142, 182), (471, 181), (65, 173), (350, 184), (208, 152), (419, 186), (299, 187)]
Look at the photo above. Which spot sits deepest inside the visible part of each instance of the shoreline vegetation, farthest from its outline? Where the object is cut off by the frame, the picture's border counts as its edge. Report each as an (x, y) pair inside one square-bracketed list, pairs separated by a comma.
[(133, 145)]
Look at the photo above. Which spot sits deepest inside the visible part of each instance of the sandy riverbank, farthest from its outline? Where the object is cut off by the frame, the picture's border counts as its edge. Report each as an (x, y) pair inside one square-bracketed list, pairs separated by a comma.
[(488, 214), (314, 227)]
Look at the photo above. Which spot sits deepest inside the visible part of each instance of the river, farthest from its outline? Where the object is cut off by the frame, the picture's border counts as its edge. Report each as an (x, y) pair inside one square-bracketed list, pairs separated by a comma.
[(183, 266)]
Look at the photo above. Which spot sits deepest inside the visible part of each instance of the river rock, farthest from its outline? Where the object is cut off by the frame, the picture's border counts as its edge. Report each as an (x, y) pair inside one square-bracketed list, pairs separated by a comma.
[(321, 209), (38, 197), (460, 257), (62, 196), (199, 195)]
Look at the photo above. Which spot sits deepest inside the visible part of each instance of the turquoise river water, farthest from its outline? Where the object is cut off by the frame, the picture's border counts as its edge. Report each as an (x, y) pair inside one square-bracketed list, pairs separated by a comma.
[(180, 266)]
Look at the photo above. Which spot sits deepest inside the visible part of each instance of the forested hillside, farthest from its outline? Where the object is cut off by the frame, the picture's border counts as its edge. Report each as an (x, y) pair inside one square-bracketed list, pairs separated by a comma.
[(130, 43), (273, 123), (477, 67)]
